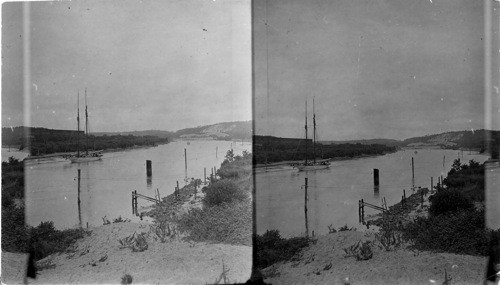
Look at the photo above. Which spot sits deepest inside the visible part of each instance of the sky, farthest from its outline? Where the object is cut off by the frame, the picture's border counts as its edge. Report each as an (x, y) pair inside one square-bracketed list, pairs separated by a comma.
[(158, 64), (376, 68)]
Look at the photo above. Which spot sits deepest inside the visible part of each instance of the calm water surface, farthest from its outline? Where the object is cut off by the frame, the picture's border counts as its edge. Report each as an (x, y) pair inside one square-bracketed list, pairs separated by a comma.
[(334, 192), (106, 185)]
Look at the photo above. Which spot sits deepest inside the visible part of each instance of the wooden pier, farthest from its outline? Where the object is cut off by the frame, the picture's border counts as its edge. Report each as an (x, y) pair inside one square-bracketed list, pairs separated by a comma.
[(135, 196), (361, 210)]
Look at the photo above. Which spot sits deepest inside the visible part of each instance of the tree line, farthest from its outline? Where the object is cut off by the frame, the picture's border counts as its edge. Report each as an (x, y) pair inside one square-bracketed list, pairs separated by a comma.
[(271, 149), (43, 141)]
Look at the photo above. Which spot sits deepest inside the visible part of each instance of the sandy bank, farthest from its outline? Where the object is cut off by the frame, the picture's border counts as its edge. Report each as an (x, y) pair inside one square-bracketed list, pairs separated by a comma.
[(98, 258), (401, 266)]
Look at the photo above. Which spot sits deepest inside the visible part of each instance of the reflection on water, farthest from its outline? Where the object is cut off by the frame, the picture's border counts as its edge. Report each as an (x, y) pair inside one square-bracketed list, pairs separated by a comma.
[(334, 193), (106, 185)]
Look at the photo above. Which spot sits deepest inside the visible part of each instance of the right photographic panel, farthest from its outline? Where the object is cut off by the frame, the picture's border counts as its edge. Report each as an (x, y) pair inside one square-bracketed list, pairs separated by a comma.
[(376, 141)]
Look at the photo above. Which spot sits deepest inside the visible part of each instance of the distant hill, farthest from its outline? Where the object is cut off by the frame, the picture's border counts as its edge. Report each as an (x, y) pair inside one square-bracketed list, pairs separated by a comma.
[(456, 140), (241, 130), (450, 140), (387, 142), (155, 133)]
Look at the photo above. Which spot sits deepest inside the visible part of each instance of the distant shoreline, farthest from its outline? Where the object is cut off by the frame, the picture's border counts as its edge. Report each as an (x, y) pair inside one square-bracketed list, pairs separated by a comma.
[(109, 150), (288, 162)]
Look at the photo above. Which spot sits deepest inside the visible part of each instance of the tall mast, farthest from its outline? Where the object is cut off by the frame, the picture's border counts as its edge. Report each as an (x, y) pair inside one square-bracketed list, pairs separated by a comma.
[(314, 134), (86, 125), (78, 123), (306, 131)]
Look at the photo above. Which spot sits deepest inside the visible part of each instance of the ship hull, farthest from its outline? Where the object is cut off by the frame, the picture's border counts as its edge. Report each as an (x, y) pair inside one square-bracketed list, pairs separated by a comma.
[(84, 159), (312, 167)]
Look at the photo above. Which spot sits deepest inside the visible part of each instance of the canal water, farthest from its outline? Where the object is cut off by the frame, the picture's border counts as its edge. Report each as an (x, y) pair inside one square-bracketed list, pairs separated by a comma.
[(51, 187), (334, 193)]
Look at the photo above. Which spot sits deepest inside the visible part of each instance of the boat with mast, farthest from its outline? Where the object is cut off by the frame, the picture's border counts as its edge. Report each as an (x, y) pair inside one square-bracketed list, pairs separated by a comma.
[(87, 156), (314, 164)]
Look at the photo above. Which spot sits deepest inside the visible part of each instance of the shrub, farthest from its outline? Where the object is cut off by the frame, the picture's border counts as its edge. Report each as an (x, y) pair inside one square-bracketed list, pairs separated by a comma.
[(45, 239), (271, 248), (228, 223), (449, 200), (224, 191), (461, 232)]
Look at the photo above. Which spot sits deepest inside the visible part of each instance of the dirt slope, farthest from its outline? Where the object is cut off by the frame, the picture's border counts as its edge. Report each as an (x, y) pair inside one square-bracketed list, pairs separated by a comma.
[(395, 267), (173, 262)]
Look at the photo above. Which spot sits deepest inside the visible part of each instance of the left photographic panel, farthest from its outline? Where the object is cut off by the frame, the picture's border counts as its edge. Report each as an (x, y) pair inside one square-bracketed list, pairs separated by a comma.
[(127, 142)]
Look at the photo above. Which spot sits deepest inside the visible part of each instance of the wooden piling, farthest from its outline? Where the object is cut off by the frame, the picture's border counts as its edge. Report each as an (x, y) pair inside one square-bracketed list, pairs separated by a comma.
[(133, 209), (422, 197), (177, 190), (185, 164), (375, 177), (362, 211), (216, 151), (432, 183), (305, 208), (205, 176), (149, 171), (79, 209), (412, 174), (359, 211), (385, 203)]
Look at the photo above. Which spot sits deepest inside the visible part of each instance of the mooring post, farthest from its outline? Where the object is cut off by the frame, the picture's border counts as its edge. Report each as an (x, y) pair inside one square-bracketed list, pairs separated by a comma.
[(432, 184), (385, 203), (133, 210), (442, 182), (216, 151), (375, 177), (195, 188), (422, 195), (205, 176), (362, 211), (305, 208), (135, 202), (79, 209), (359, 211), (185, 164), (402, 202), (148, 168), (177, 190), (404, 194), (412, 174)]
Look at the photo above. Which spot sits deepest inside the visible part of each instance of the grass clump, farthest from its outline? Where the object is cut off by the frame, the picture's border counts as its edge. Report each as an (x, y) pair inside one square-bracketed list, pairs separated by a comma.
[(126, 279), (272, 248)]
